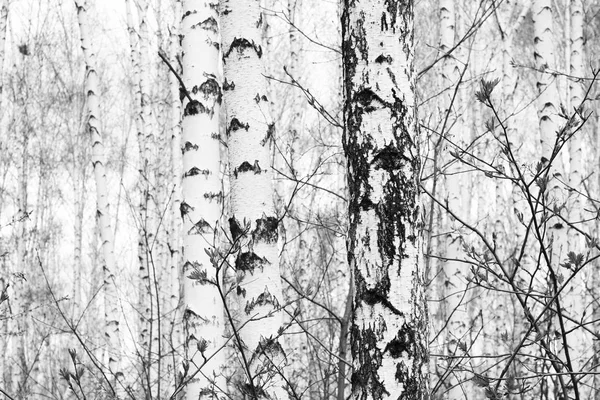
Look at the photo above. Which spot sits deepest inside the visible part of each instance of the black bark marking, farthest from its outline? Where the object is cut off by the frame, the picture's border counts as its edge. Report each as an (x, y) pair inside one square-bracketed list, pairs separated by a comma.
[(389, 158), (209, 89), (367, 357), (209, 24), (188, 146), (184, 209), (236, 125), (241, 44), (199, 228), (194, 107), (384, 24), (235, 229), (369, 100), (196, 171), (384, 59), (403, 342), (266, 230), (228, 85), (246, 166), (263, 299), (249, 261)]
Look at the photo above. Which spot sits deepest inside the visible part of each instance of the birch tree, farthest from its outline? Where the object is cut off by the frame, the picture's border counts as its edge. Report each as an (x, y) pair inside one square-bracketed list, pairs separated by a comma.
[(202, 197), (92, 127), (253, 221), (389, 324)]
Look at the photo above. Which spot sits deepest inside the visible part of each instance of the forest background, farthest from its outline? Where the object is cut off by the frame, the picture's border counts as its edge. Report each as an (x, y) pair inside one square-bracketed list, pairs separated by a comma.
[(509, 142)]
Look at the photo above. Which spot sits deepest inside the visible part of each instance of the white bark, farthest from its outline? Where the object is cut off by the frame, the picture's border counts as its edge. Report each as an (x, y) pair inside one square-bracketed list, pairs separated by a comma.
[(389, 324), (202, 196), (3, 24), (454, 284), (92, 90), (249, 128), (544, 58)]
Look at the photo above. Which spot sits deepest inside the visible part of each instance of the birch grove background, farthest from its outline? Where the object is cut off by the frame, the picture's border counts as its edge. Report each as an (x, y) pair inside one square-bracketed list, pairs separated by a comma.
[(183, 213)]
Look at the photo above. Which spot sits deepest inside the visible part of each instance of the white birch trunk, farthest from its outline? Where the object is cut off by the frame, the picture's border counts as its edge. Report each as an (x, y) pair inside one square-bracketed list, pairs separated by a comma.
[(202, 197), (3, 25), (249, 128), (389, 324), (454, 285), (92, 91), (175, 243)]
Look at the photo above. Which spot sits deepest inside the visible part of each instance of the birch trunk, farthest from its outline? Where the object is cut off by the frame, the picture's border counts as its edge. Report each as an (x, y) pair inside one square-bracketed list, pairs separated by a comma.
[(454, 285), (202, 197), (249, 128), (3, 25), (175, 278), (92, 90), (576, 293), (389, 324), (547, 104)]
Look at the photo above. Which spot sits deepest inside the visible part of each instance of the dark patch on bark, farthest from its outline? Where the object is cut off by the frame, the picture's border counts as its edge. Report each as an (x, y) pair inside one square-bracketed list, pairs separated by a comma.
[(384, 24), (196, 171), (249, 261), (188, 146), (246, 166), (199, 228), (209, 24), (235, 229), (367, 359), (389, 158), (236, 125), (384, 59), (368, 100), (213, 195), (194, 107), (184, 209), (263, 299), (266, 230), (228, 85), (241, 45), (210, 89), (404, 340), (269, 347)]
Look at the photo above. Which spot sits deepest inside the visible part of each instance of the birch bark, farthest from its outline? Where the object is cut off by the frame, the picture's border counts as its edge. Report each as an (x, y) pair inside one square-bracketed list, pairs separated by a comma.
[(389, 324), (92, 91), (249, 128), (202, 197)]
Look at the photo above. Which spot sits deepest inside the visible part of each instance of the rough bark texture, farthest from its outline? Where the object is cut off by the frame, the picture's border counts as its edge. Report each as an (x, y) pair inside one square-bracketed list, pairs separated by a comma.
[(249, 129), (202, 197), (389, 324), (92, 91)]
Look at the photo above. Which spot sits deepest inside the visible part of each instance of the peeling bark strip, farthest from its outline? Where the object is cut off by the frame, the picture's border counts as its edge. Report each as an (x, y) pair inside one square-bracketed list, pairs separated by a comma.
[(253, 223), (389, 323), (202, 197)]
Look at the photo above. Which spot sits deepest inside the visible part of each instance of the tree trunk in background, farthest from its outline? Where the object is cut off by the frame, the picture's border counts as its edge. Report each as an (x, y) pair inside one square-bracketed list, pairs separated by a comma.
[(389, 324), (554, 196), (92, 90), (249, 129), (457, 190), (3, 25), (201, 206), (175, 242), (575, 295)]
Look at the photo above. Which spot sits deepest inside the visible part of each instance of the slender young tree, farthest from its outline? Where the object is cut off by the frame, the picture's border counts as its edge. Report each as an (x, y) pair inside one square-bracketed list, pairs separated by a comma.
[(253, 221), (92, 90), (201, 204), (389, 324), (3, 24)]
